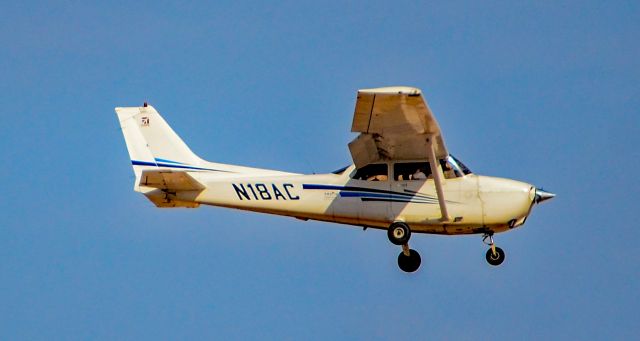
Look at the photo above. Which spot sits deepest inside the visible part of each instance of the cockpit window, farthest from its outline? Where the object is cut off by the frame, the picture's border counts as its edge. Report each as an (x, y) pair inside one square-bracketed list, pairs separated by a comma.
[(451, 168), (411, 171), (458, 164), (373, 172)]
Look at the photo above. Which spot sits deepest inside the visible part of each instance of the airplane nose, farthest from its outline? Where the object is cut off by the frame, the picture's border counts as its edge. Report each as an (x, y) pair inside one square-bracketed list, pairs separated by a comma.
[(542, 195)]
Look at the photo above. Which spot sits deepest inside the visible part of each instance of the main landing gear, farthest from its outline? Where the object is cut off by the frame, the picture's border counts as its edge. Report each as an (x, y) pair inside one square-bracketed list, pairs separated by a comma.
[(495, 256), (408, 260)]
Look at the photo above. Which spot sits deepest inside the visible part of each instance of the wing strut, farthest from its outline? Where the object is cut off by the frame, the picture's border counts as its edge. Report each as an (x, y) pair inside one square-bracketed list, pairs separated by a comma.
[(438, 177)]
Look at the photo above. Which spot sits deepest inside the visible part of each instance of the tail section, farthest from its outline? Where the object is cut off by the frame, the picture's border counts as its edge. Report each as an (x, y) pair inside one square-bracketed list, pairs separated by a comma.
[(156, 152), (164, 165)]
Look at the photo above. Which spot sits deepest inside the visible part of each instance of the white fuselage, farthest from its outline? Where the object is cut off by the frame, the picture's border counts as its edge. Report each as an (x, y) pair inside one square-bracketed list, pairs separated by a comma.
[(476, 204)]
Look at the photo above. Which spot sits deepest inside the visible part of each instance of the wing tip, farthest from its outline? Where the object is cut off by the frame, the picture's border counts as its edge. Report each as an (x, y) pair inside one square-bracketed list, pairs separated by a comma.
[(400, 90)]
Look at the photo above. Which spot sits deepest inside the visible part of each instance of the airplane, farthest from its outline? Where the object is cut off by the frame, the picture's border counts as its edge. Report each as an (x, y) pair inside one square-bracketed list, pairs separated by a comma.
[(402, 179)]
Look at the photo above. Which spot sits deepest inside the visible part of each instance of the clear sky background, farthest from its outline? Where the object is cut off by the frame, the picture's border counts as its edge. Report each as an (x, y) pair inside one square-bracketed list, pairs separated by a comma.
[(545, 92)]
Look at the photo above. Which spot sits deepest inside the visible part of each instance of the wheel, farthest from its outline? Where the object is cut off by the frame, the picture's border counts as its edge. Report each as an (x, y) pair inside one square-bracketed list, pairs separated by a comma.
[(496, 259), (409, 263), (399, 233)]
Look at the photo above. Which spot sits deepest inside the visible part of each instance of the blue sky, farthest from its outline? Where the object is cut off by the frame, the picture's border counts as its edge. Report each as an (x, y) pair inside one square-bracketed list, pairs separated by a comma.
[(545, 92)]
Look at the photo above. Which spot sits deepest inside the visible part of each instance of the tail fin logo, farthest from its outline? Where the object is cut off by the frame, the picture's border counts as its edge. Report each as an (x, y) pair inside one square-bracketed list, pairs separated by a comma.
[(144, 121)]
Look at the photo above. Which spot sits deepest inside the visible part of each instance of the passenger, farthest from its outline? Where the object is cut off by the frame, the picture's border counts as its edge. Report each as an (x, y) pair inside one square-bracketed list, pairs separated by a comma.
[(419, 175)]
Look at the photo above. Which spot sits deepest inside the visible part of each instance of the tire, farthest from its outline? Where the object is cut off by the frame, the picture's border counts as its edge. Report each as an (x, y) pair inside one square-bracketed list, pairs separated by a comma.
[(399, 233), (409, 263), (495, 260)]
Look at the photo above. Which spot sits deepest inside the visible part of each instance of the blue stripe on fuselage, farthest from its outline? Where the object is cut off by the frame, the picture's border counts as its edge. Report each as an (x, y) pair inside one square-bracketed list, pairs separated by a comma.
[(367, 190), (384, 196), (374, 194)]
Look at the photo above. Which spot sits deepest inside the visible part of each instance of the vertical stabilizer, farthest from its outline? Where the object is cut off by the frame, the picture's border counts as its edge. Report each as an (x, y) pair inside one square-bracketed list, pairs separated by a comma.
[(150, 140)]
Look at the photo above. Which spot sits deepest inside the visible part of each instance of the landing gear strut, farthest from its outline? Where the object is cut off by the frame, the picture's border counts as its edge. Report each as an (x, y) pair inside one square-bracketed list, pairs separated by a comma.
[(495, 256), (408, 260)]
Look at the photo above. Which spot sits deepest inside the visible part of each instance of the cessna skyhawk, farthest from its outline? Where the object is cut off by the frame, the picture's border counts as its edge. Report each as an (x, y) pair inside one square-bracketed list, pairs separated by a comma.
[(403, 179)]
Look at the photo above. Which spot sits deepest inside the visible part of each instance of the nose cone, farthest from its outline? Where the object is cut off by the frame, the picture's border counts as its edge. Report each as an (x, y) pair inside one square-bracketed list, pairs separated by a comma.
[(542, 195)]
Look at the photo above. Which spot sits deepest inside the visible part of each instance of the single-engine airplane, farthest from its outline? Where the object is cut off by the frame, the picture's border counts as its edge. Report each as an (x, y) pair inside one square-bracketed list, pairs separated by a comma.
[(403, 179)]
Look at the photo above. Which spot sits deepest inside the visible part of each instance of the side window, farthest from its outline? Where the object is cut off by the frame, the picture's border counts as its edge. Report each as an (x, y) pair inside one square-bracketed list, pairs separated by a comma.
[(411, 171), (373, 172)]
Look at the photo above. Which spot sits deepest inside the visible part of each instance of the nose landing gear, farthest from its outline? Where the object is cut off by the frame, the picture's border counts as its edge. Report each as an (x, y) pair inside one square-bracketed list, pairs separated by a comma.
[(495, 256), (408, 260)]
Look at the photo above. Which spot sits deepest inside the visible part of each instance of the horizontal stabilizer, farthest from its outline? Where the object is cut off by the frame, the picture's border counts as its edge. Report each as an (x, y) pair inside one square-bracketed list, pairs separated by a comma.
[(170, 180)]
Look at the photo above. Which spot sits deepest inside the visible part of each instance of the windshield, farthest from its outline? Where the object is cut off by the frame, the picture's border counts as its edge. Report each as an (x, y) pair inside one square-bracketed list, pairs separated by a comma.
[(458, 165), (340, 171)]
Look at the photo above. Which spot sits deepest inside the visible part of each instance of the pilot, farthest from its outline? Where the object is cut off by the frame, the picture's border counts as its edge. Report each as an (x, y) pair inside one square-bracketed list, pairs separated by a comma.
[(448, 170), (419, 175)]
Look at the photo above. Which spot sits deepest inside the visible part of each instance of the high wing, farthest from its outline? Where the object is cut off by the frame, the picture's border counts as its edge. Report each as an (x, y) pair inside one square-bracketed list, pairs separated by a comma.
[(395, 123)]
